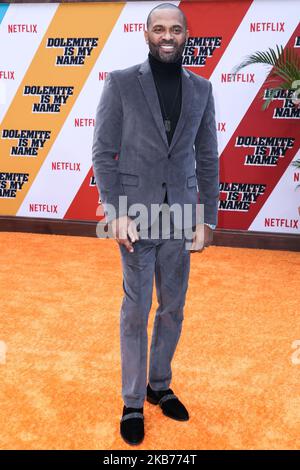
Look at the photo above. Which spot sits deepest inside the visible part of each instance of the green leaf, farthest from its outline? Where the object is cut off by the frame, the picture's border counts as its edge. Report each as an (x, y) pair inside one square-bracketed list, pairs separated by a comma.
[(284, 63)]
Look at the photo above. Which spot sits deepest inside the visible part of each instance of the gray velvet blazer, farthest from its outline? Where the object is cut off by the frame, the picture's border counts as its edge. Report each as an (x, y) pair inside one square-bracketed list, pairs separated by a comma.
[(129, 124)]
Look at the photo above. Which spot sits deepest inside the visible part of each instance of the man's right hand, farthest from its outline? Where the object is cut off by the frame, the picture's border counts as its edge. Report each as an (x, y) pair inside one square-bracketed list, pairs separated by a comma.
[(125, 232)]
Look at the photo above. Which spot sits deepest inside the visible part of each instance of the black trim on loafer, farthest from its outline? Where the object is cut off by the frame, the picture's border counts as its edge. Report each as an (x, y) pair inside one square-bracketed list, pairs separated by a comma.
[(169, 403), (132, 428)]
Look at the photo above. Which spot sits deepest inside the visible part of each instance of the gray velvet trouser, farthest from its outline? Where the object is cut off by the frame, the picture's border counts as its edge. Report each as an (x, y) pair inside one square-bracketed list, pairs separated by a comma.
[(168, 260)]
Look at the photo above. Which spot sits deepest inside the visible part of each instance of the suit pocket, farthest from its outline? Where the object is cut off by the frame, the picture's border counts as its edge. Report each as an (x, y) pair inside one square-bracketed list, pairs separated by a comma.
[(191, 181), (130, 180)]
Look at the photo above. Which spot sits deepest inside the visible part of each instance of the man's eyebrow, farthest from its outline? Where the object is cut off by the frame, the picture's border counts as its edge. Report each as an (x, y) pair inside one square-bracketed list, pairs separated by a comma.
[(162, 26)]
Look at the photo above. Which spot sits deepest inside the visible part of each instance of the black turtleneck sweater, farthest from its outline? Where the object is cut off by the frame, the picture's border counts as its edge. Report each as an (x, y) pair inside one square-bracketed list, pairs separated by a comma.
[(167, 78)]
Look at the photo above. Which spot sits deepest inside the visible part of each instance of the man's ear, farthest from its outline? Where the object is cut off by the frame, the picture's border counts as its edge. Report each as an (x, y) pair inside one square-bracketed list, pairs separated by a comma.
[(146, 36), (187, 34)]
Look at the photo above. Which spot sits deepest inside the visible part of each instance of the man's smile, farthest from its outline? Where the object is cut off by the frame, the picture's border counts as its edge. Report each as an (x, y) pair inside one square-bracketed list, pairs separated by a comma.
[(167, 47)]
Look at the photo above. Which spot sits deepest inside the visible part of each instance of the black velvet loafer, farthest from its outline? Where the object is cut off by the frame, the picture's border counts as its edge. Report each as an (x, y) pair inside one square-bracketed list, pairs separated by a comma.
[(171, 406), (132, 425)]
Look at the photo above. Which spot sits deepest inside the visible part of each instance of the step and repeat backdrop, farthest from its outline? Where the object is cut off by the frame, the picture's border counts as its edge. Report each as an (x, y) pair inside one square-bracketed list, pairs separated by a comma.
[(53, 62)]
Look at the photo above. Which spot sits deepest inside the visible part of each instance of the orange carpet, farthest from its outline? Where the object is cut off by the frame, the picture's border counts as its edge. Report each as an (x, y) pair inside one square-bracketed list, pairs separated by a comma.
[(60, 379)]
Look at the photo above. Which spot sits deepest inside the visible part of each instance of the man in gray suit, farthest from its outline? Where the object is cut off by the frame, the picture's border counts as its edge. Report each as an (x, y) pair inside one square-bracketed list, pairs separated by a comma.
[(154, 142)]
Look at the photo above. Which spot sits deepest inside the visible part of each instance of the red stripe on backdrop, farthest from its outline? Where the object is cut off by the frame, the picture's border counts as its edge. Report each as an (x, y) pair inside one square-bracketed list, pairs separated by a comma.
[(212, 19), (256, 123), (85, 203)]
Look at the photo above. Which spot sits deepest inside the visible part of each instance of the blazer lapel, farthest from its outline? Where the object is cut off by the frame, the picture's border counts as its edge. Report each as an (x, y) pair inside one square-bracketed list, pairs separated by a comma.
[(186, 104), (147, 82)]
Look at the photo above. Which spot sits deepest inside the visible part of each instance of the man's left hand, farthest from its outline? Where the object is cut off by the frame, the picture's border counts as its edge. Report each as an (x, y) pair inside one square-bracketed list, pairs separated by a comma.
[(202, 237)]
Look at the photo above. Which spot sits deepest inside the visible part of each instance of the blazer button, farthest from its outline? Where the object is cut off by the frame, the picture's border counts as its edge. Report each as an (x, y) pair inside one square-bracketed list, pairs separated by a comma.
[(163, 185)]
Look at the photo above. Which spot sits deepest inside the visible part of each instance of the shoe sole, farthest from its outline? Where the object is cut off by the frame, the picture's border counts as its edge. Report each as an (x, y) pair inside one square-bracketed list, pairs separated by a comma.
[(132, 443)]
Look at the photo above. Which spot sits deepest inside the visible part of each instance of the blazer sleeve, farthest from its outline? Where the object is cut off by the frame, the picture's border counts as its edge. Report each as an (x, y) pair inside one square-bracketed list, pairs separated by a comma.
[(105, 148), (207, 161)]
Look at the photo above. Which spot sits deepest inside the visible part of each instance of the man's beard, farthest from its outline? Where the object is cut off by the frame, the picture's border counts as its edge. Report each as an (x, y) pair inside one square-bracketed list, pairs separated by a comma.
[(157, 52)]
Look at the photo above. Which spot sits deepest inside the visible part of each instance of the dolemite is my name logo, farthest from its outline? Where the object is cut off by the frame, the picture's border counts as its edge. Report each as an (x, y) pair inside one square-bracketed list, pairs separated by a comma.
[(51, 97), (266, 150), (10, 183), (75, 50), (197, 49), (288, 110), (239, 196), (28, 141)]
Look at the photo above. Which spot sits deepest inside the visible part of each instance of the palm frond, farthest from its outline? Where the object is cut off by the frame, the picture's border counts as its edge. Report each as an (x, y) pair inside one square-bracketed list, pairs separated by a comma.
[(285, 63), (296, 163)]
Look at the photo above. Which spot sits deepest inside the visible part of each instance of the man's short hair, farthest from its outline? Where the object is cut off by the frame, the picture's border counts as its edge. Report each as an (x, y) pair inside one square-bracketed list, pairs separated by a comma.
[(167, 6)]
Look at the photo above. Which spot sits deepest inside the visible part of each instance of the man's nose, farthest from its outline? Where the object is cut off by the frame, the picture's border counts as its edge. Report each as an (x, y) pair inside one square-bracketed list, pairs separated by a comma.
[(167, 35)]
